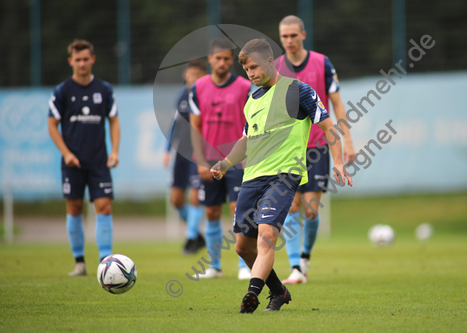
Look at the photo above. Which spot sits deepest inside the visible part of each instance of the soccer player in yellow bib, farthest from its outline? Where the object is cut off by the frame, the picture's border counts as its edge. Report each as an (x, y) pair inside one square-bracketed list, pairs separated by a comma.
[(278, 119)]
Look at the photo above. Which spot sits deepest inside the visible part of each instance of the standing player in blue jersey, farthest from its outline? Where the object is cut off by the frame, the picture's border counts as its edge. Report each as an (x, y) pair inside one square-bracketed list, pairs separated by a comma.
[(316, 70), (80, 105), (185, 172)]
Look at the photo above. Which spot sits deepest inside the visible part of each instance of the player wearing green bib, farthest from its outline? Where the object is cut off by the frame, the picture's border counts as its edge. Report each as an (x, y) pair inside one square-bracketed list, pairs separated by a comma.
[(275, 133), (278, 120)]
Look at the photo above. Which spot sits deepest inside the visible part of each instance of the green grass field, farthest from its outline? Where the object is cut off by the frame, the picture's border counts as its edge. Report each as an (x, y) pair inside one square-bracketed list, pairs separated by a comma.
[(410, 286)]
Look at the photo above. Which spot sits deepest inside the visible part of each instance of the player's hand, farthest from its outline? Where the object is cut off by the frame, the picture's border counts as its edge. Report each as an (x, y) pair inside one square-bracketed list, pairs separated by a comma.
[(166, 160), (217, 172), (112, 161), (71, 160), (349, 152), (341, 176), (204, 173)]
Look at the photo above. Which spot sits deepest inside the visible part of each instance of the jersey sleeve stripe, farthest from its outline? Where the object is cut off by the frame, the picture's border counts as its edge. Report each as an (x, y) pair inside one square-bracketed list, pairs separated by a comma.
[(113, 111), (54, 110), (333, 87), (172, 132), (317, 115), (194, 108)]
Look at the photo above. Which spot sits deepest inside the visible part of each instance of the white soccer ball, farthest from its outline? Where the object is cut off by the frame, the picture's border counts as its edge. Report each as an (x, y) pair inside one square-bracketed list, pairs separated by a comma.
[(116, 274), (424, 231), (381, 235)]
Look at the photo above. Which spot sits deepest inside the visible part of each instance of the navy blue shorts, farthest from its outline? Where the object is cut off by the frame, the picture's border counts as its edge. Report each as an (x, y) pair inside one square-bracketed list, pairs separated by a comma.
[(261, 203), (318, 160), (98, 180), (185, 173), (215, 193)]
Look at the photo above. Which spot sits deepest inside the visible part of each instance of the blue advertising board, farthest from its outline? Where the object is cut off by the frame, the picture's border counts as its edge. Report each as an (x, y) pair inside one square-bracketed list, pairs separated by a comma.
[(427, 154)]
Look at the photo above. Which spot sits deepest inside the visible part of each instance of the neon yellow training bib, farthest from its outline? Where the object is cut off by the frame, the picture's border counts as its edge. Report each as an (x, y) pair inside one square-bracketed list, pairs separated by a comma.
[(274, 138)]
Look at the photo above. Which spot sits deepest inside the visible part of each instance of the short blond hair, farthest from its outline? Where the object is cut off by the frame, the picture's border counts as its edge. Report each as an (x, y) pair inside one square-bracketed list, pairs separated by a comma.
[(79, 45), (259, 46), (292, 19)]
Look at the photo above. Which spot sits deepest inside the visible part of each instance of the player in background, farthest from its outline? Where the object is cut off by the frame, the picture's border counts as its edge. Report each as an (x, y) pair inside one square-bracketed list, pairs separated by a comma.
[(80, 105), (185, 172), (216, 104), (316, 70), (278, 121)]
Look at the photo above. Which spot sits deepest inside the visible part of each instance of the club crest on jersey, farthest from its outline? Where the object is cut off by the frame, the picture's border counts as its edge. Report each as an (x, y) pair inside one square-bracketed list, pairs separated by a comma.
[(183, 106), (321, 107), (97, 98)]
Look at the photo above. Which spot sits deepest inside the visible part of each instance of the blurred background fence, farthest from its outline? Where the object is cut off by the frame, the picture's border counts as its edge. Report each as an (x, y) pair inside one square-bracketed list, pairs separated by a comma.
[(131, 38)]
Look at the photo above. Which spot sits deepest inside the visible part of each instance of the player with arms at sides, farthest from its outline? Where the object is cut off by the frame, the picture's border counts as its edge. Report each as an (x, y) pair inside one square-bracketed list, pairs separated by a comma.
[(80, 105), (278, 121), (216, 104), (316, 70), (185, 172)]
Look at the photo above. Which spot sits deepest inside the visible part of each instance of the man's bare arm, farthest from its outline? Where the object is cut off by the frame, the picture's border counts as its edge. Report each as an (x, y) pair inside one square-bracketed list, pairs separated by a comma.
[(336, 150), (236, 155), (197, 142), (114, 125), (339, 110)]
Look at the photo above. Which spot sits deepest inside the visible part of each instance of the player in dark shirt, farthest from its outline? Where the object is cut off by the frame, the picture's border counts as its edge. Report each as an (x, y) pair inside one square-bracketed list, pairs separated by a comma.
[(80, 105), (185, 172)]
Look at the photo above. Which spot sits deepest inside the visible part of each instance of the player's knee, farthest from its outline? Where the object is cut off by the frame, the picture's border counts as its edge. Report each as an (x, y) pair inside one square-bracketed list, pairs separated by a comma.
[(267, 239), (310, 214), (244, 251), (194, 198), (295, 207), (296, 203), (75, 211), (104, 208), (194, 201), (176, 201), (213, 213), (75, 208)]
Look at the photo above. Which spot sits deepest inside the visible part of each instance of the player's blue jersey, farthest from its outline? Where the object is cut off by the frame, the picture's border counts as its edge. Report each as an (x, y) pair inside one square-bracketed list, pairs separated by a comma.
[(183, 110), (82, 111), (183, 107)]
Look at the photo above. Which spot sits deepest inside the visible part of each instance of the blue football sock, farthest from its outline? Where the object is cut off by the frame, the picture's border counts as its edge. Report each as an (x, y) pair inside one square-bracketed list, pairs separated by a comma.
[(213, 236), (310, 230), (293, 239), (104, 231), (183, 212), (242, 263), (74, 227), (195, 216)]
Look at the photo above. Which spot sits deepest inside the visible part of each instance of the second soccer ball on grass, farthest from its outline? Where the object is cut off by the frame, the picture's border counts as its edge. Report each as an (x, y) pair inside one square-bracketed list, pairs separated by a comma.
[(381, 235)]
